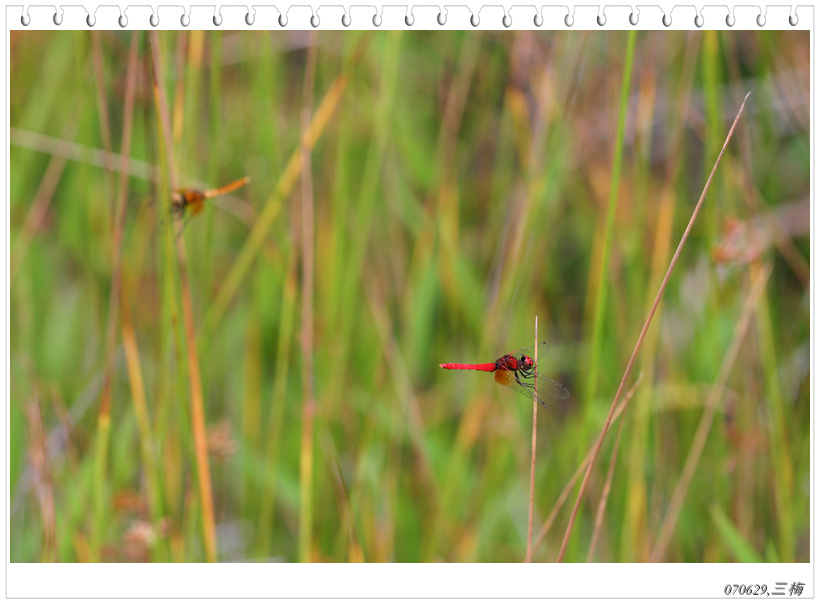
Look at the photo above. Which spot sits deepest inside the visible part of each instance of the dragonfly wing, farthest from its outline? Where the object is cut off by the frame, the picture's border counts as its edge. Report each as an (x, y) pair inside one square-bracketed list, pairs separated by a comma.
[(547, 388), (543, 349), (508, 379)]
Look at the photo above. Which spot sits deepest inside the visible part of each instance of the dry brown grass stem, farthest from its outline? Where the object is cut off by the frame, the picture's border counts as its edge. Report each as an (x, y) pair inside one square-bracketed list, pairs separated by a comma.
[(714, 397), (542, 534), (66, 149), (197, 406), (119, 224), (306, 335), (41, 481), (102, 106), (355, 553), (532, 457), (104, 415), (135, 379), (599, 516), (646, 324), (36, 213)]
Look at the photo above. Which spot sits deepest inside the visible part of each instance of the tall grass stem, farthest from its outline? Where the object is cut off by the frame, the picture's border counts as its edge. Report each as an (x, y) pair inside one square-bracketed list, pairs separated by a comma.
[(308, 394), (601, 285), (532, 456), (194, 377), (118, 227)]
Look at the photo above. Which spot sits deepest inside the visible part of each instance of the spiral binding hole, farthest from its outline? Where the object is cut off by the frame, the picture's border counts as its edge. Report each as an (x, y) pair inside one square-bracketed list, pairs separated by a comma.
[(730, 20), (761, 20), (409, 19), (793, 20)]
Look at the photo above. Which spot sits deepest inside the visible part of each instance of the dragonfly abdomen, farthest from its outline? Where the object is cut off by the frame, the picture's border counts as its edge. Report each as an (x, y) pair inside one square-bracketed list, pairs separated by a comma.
[(481, 367)]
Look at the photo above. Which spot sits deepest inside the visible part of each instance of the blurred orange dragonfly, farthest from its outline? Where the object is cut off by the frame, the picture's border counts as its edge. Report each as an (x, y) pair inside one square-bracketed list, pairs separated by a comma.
[(195, 198)]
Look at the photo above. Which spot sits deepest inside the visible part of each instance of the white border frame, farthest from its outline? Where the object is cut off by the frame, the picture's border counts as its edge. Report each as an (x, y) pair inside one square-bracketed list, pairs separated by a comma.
[(677, 581)]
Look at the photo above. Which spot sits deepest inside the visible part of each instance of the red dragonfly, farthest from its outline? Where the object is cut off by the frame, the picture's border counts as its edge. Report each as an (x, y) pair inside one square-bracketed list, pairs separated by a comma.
[(195, 198), (516, 370)]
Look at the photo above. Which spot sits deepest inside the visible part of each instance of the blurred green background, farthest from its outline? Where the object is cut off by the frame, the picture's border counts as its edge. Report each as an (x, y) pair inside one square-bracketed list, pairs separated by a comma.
[(452, 187)]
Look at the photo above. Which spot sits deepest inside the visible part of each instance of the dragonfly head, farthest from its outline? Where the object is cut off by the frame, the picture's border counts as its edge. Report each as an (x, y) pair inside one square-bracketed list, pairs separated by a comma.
[(526, 361)]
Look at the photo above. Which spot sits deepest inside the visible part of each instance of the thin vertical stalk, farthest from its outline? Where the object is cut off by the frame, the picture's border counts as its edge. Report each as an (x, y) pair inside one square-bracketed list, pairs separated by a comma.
[(197, 406), (534, 436), (132, 358), (104, 416), (306, 335), (601, 287), (447, 214), (277, 415), (102, 106), (782, 467), (347, 288), (43, 485)]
